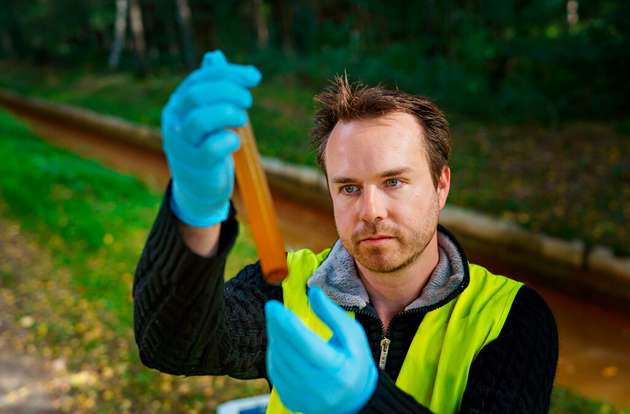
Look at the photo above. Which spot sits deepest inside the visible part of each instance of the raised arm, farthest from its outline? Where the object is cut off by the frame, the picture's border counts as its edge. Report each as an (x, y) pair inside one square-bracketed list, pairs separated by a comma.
[(186, 321)]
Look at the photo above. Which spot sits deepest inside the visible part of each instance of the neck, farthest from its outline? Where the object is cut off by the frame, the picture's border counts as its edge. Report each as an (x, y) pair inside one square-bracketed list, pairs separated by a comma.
[(391, 292)]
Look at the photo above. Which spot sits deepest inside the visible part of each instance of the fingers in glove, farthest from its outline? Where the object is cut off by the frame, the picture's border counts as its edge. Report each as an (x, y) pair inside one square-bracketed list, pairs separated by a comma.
[(213, 58), (220, 144), (212, 92), (346, 331), (247, 76), (201, 122), (301, 343), (307, 357), (214, 147)]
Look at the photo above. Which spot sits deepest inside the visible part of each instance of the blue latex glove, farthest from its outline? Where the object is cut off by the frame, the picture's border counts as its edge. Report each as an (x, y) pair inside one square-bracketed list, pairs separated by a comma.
[(314, 376), (197, 144)]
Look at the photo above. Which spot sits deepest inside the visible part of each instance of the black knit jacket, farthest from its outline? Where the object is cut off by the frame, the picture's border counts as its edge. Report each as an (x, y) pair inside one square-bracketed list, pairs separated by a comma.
[(187, 321)]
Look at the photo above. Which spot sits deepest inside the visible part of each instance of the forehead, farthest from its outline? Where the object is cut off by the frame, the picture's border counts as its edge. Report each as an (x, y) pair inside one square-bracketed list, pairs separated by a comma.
[(366, 147)]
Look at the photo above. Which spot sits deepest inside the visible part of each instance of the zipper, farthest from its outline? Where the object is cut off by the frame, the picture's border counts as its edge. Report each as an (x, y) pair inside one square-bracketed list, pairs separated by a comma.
[(385, 341), (384, 350)]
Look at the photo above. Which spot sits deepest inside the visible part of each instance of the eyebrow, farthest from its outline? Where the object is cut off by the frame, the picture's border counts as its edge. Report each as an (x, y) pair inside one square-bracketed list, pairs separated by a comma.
[(388, 173)]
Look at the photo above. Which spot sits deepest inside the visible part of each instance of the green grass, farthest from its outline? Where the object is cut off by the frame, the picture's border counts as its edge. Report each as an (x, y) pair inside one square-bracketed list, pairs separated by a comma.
[(569, 181), (93, 222), (564, 401)]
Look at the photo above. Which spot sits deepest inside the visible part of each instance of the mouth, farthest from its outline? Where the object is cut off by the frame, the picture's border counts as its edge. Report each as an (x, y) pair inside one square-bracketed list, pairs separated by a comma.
[(376, 239)]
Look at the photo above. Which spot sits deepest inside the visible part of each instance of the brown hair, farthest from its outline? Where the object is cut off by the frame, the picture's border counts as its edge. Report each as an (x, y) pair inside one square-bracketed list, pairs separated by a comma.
[(343, 101)]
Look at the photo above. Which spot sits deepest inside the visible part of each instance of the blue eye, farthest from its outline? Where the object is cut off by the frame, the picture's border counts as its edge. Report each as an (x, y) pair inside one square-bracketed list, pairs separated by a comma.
[(349, 189), (393, 182)]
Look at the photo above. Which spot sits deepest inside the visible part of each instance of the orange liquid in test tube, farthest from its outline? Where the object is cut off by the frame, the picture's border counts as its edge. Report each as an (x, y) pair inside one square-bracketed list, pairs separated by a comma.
[(261, 215)]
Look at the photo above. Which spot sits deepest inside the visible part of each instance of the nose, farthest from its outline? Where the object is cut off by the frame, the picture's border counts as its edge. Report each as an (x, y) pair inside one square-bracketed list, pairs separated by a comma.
[(373, 205)]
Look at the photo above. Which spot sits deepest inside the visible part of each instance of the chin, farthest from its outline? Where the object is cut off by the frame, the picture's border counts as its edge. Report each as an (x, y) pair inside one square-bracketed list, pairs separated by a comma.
[(381, 267), (381, 263), (384, 260)]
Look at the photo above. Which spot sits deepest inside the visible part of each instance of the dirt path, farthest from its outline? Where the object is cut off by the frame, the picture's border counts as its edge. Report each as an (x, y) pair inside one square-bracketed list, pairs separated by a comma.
[(24, 384), (28, 383)]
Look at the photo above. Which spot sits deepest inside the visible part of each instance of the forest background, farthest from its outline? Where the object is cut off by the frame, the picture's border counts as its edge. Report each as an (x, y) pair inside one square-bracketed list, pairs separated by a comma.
[(509, 60), (536, 93)]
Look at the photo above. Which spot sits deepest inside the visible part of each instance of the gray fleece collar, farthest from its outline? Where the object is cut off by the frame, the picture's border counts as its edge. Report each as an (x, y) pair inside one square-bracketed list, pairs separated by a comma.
[(337, 276)]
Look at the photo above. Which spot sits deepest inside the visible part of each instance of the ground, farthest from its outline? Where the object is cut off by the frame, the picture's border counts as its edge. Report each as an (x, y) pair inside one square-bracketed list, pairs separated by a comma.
[(28, 384)]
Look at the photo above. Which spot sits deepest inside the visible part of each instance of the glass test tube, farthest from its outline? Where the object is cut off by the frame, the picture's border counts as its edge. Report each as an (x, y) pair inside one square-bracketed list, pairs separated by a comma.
[(256, 197)]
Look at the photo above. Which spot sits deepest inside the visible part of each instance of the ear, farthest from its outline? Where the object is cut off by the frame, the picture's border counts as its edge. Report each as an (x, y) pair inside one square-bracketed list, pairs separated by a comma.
[(444, 186)]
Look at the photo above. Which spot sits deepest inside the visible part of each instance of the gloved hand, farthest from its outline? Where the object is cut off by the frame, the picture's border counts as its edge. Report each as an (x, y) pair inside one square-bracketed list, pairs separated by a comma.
[(314, 376), (197, 144)]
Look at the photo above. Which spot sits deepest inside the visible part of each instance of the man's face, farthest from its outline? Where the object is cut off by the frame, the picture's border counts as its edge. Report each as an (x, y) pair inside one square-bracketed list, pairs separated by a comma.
[(385, 203)]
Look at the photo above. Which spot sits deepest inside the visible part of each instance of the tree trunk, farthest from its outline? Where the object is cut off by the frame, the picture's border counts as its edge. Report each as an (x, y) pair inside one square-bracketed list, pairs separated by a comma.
[(13, 39), (572, 12), (185, 29), (284, 13), (260, 22), (120, 29), (135, 17)]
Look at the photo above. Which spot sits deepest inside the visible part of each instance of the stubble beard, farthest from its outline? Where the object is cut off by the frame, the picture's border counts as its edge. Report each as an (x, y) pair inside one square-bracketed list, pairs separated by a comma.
[(400, 252)]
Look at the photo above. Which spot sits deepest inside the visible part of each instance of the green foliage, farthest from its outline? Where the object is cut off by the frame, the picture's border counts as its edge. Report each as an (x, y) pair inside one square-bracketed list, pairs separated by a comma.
[(64, 31), (564, 401), (503, 60)]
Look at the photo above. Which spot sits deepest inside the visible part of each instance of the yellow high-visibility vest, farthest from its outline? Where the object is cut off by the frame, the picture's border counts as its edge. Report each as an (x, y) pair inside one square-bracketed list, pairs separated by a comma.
[(435, 369)]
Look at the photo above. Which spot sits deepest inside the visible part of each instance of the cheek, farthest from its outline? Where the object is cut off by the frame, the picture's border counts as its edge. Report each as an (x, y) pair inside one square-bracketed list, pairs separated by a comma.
[(342, 221), (345, 220), (417, 207)]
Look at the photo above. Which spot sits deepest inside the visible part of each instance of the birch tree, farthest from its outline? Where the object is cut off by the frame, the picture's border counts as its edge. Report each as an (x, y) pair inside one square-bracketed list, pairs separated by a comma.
[(120, 30), (137, 28), (186, 37), (259, 11)]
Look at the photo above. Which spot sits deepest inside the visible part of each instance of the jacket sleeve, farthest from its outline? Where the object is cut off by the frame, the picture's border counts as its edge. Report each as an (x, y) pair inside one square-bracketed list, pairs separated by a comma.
[(186, 320), (513, 374)]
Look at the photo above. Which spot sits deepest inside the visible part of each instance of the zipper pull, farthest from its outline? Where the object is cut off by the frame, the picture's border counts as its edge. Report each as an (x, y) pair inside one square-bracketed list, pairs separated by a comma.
[(384, 349)]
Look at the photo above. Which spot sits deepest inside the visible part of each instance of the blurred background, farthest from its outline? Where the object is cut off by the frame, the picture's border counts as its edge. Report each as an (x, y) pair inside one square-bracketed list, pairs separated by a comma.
[(536, 93)]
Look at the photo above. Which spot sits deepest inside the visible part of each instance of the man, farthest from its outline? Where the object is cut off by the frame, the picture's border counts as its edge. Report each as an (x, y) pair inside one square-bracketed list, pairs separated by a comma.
[(391, 319)]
